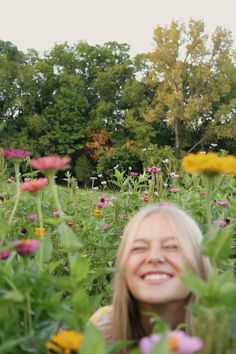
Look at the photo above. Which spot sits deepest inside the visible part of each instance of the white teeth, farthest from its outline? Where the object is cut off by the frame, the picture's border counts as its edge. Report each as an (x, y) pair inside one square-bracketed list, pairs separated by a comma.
[(156, 276)]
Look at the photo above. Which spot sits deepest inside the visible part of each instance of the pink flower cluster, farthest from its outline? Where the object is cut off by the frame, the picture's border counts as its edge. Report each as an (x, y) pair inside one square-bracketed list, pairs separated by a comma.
[(179, 342)]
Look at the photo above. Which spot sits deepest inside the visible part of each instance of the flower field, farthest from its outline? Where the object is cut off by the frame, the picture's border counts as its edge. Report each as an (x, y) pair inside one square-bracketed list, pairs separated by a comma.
[(58, 245)]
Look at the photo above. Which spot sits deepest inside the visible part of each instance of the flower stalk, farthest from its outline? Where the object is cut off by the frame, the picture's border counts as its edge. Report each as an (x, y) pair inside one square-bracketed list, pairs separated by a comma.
[(18, 192)]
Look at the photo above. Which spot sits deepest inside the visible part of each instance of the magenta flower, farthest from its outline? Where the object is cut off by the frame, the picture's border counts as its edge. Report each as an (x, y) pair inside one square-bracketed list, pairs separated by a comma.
[(32, 217), (154, 169), (105, 227), (202, 193), (4, 254), (26, 246), (51, 163), (174, 190), (33, 185), (133, 174), (223, 203), (13, 154), (179, 342)]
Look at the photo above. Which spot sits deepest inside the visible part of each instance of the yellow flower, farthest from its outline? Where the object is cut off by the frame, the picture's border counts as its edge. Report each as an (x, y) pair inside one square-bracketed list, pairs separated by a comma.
[(98, 212), (65, 342), (40, 231), (209, 164)]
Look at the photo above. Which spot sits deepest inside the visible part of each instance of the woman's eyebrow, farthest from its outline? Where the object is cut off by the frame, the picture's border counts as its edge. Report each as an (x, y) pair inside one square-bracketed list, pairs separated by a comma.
[(140, 240)]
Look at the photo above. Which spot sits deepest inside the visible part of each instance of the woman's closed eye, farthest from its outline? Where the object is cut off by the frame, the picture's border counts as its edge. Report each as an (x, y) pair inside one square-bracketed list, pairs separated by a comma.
[(138, 248), (171, 247)]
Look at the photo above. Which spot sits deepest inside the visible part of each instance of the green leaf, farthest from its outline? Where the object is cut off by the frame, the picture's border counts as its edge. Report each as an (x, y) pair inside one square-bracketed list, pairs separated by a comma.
[(68, 240), (162, 346), (79, 267), (218, 244), (196, 284), (93, 342)]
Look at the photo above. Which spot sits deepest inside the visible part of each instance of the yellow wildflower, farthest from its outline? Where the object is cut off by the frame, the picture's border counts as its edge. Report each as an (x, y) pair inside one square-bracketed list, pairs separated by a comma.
[(98, 212), (209, 164), (40, 231), (65, 342)]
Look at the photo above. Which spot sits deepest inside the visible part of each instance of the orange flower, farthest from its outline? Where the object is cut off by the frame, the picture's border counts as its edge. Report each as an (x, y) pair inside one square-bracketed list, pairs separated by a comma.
[(40, 231), (66, 341), (33, 185)]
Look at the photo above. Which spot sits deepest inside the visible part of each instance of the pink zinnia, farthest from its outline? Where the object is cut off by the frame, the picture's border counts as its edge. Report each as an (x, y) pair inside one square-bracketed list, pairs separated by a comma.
[(33, 185), (221, 222), (100, 205), (51, 163), (105, 227), (174, 190), (154, 169), (223, 203), (133, 174), (32, 217), (15, 153), (4, 254), (26, 246), (179, 342)]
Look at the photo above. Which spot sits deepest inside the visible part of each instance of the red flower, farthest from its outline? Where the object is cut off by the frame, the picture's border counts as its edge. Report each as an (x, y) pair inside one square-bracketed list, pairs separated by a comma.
[(33, 185), (26, 246), (51, 163), (15, 153)]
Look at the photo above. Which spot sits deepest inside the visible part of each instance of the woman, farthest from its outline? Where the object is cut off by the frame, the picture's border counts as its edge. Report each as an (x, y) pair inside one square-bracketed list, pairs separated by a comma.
[(156, 244)]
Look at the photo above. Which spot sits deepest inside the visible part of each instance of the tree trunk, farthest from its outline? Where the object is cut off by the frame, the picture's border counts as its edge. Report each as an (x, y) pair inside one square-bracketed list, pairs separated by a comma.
[(177, 132)]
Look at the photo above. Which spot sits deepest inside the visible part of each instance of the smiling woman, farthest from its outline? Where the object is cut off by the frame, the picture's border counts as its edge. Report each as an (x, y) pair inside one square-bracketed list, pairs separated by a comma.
[(156, 244)]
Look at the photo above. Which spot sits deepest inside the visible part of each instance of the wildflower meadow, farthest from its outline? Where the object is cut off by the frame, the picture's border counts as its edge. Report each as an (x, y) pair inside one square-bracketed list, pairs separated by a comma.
[(58, 244)]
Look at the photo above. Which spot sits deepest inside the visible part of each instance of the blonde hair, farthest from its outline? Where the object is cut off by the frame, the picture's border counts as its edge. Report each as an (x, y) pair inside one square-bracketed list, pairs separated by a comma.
[(125, 322)]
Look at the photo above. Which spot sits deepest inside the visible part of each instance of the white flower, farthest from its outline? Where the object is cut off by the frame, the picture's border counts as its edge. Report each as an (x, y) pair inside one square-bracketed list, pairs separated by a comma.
[(100, 175), (115, 167), (103, 182), (165, 161)]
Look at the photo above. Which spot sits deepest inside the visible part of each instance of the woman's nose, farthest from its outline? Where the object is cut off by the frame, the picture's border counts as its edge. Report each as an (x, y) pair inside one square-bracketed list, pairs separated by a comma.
[(155, 255)]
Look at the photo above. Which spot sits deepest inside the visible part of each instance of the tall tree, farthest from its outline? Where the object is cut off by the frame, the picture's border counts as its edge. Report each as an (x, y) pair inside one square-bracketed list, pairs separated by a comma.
[(193, 77)]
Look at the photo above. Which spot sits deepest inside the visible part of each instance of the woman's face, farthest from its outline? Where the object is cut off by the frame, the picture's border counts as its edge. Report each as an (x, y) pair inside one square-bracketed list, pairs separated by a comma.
[(155, 264)]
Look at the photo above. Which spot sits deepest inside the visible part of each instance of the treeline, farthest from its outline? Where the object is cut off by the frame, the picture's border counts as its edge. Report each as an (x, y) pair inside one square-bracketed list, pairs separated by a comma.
[(102, 107)]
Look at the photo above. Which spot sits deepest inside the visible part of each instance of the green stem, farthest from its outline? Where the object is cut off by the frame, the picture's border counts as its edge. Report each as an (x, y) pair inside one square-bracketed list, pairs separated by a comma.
[(18, 192), (209, 183), (39, 209), (54, 190), (29, 317)]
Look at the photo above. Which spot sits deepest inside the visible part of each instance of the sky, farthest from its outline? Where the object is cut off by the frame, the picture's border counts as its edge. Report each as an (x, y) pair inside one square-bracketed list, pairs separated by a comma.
[(40, 24)]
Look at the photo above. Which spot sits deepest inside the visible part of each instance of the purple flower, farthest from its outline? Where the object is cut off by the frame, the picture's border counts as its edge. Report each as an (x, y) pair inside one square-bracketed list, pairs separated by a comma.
[(32, 217), (13, 154), (223, 203), (179, 342), (154, 169), (26, 246), (4, 254)]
